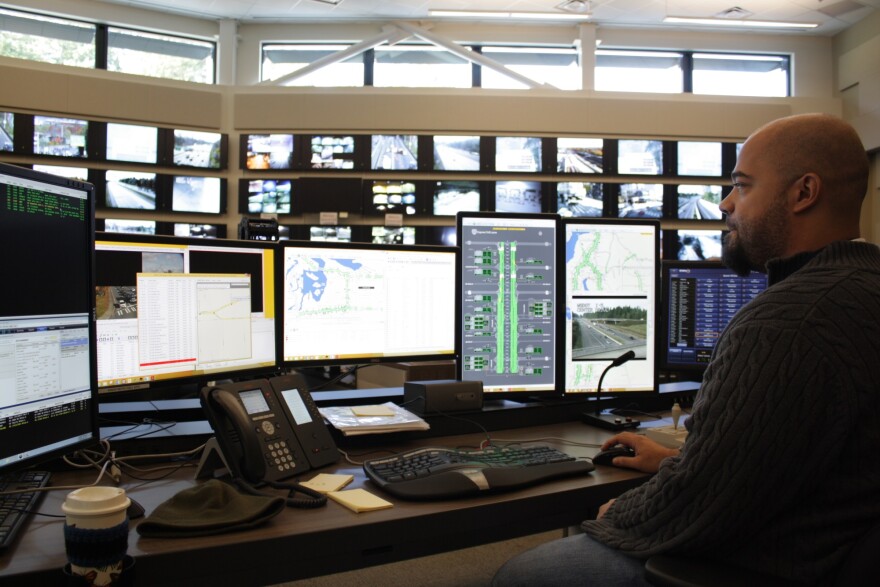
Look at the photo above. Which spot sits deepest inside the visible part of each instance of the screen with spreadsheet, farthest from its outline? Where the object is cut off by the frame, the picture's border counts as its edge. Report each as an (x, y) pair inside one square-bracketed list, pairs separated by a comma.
[(700, 298), (48, 404), (173, 310)]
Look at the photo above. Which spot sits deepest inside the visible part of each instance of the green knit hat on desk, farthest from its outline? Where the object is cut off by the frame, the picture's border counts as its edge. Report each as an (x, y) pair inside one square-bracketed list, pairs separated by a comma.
[(208, 508)]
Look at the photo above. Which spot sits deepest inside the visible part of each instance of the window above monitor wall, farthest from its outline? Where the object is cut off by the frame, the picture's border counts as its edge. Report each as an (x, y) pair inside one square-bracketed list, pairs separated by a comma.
[(280, 59), (557, 67)]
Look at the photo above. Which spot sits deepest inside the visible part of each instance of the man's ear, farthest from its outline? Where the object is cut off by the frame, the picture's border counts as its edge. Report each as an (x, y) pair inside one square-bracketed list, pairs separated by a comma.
[(805, 192)]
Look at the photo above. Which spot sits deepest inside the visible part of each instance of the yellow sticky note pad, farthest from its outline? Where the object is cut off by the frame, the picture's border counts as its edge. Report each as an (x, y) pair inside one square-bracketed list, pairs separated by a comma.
[(363, 411), (326, 482), (359, 500)]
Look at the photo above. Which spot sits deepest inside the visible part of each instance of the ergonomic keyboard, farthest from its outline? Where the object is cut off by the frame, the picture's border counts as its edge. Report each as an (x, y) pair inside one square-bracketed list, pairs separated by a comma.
[(442, 473), (15, 507)]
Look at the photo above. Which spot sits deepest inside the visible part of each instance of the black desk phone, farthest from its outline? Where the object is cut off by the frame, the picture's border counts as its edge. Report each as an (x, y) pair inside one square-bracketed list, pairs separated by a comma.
[(268, 430)]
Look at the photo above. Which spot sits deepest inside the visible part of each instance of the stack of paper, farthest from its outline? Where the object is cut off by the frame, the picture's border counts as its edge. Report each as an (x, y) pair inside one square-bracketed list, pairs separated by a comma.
[(387, 417)]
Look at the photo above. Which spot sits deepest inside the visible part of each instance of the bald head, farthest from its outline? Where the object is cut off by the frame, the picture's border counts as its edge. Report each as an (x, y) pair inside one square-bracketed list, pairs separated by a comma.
[(821, 144)]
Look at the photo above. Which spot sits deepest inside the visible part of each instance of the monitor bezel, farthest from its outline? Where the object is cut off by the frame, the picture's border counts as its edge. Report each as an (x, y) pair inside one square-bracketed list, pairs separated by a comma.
[(89, 307), (185, 386), (657, 304), (334, 245), (558, 364)]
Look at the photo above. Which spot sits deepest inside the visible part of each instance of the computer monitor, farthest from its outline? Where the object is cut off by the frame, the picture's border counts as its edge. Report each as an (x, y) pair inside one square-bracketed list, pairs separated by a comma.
[(507, 300), (699, 299), (611, 274), (48, 401), (174, 311), (352, 303)]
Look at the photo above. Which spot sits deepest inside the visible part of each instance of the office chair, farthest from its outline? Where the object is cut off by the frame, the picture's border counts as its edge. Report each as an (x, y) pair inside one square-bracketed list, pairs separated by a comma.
[(672, 571)]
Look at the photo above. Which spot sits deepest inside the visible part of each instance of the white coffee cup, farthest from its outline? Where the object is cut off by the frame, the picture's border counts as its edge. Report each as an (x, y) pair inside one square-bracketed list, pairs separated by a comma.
[(96, 530), (96, 507)]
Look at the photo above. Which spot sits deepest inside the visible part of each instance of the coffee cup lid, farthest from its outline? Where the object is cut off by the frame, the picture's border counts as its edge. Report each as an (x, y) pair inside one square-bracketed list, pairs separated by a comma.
[(95, 501)]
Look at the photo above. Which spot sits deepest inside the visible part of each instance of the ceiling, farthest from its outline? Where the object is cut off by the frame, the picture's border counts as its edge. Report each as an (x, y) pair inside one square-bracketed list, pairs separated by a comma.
[(833, 16)]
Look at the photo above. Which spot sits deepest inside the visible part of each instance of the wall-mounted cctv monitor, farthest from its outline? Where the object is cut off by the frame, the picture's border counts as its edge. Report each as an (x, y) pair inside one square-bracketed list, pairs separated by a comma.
[(699, 158), (265, 196), (699, 202), (580, 199), (456, 153), (199, 230), (518, 154), (394, 152), (204, 150), (76, 173), (267, 151), (693, 245), (611, 274), (333, 152), (60, 137), (130, 190), (454, 196), (127, 226), (508, 303), (393, 235), (579, 155), (132, 143), (350, 303), (518, 196), (640, 200), (639, 157), (7, 131), (392, 196), (191, 193)]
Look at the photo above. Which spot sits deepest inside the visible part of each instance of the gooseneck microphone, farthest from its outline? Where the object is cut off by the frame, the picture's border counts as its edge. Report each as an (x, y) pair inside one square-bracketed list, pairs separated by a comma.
[(610, 422)]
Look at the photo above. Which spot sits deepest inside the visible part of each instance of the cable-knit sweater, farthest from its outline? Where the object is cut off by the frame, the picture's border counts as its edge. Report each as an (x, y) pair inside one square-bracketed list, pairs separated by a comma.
[(781, 468)]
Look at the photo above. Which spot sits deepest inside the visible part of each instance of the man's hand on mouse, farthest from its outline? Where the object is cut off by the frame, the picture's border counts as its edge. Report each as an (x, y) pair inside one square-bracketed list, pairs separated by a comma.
[(648, 455)]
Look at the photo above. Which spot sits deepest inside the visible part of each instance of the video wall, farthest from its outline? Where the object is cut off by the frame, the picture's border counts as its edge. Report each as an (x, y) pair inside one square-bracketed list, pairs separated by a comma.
[(425, 179)]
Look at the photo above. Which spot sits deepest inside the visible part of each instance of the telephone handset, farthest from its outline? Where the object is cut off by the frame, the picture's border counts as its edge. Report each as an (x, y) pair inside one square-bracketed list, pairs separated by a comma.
[(253, 431), (307, 422)]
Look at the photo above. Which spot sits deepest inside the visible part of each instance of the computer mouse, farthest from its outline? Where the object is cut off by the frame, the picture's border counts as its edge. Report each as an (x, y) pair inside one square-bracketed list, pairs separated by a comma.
[(605, 457)]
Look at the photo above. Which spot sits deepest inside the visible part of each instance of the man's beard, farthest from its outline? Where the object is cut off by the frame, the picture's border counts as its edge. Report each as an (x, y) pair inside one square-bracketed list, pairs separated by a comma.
[(748, 248)]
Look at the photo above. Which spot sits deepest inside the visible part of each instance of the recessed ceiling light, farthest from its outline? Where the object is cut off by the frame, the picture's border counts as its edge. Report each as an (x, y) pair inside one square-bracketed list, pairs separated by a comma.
[(727, 22), (576, 6)]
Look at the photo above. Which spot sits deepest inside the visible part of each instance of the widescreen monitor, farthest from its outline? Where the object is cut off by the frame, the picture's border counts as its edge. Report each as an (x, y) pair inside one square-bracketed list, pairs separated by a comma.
[(393, 235), (640, 200), (126, 225), (611, 274), (330, 233), (332, 152), (697, 245), (265, 196), (699, 300), (48, 401), (75, 173), (351, 303), (180, 310), (200, 230), (60, 137), (507, 302), (699, 158)]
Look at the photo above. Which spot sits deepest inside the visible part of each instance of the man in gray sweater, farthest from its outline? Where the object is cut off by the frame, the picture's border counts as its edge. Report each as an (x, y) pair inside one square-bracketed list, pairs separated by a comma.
[(780, 472)]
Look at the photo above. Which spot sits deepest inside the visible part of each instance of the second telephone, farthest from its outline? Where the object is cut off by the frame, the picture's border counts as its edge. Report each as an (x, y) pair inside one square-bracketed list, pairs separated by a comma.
[(268, 430)]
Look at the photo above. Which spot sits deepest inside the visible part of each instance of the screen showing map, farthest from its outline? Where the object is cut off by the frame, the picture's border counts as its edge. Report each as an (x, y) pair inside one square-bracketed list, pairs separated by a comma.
[(349, 303), (507, 301), (611, 282), (176, 308)]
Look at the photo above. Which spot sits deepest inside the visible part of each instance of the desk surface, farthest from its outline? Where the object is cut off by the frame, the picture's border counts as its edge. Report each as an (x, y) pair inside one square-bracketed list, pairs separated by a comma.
[(298, 544)]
